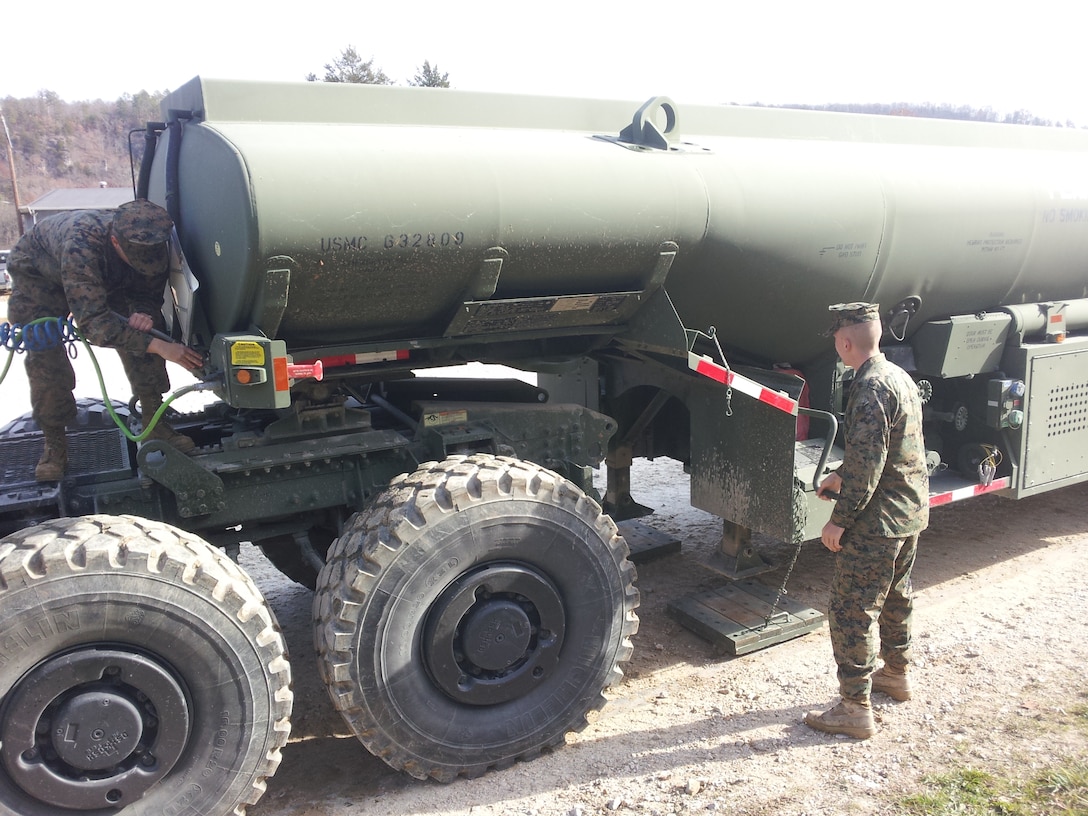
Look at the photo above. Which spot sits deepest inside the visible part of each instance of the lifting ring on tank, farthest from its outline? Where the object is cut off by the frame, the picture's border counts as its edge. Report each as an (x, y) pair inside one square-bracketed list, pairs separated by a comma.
[(904, 310), (644, 131)]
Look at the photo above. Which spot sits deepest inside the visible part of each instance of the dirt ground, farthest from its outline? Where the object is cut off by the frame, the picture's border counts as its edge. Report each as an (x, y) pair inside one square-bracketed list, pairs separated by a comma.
[(1001, 640)]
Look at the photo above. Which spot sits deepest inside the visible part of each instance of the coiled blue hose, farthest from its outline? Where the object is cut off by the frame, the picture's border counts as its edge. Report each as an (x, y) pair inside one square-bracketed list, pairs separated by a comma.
[(39, 335)]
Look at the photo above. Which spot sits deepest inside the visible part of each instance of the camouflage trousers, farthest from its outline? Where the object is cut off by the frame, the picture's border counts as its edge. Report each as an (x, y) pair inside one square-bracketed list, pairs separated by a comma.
[(50, 373), (870, 593)]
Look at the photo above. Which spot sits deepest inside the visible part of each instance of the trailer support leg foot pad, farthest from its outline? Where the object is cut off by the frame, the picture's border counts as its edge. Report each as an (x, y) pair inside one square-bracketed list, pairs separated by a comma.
[(734, 617), (646, 543)]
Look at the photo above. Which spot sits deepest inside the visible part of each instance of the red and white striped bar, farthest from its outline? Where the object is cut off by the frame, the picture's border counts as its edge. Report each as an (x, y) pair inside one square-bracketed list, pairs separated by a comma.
[(702, 364), (359, 359), (969, 492)]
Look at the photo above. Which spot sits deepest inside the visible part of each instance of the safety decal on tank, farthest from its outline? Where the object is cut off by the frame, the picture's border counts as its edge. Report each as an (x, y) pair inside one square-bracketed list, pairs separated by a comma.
[(969, 492), (702, 364)]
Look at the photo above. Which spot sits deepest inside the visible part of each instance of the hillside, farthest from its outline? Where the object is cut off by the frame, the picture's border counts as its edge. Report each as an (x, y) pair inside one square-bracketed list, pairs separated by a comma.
[(59, 144)]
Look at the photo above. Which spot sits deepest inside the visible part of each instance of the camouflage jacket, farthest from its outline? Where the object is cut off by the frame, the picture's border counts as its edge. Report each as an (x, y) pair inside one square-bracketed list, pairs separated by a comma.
[(885, 482), (68, 257)]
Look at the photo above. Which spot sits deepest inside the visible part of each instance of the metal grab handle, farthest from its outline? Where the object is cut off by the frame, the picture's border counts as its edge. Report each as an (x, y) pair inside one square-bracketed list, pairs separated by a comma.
[(152, 331), (829, 440)]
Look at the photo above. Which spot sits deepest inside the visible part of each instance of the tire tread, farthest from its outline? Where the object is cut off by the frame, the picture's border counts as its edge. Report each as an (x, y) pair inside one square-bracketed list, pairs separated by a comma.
[(370, 544), (128, 544)]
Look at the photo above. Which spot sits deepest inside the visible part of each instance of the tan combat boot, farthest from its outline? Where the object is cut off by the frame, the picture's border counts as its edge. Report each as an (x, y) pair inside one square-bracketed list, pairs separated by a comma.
[(850, 718), (149, 404), (895, 684), (54, 462)]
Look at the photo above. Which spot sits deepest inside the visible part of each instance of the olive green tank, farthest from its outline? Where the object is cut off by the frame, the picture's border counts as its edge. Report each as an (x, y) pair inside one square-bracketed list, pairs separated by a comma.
[(326, 213)]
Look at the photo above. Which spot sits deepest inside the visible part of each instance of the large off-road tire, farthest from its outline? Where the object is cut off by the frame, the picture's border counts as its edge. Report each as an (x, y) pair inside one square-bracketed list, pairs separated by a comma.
[(141, 673), (472, 615)]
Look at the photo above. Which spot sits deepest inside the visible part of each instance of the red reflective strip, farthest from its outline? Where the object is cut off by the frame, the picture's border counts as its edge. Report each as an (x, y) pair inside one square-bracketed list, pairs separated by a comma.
[(280, 380), (334, 361), (937, 499), (337, 360), (779, 401), (714, 371)]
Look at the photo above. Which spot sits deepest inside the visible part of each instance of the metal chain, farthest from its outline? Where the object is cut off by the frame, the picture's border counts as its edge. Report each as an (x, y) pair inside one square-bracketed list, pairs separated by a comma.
[(712, 333), (800, 519)]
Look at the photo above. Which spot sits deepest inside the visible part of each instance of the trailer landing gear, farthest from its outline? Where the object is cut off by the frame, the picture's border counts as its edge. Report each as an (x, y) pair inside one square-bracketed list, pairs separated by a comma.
[(743, 617)]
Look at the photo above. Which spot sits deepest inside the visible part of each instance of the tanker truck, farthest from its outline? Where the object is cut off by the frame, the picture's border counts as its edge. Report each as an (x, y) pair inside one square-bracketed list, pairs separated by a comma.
[(664, 271)]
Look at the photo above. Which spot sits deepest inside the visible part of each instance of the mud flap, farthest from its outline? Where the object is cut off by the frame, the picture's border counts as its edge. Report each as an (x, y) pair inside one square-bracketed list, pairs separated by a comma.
[(742, 457)]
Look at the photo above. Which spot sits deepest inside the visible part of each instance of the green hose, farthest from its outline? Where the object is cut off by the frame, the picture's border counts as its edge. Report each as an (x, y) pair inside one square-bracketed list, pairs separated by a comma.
[(118, 421)]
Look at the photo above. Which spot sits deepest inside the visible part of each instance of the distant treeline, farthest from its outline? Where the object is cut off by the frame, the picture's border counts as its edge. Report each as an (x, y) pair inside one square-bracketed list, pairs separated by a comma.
[(930, 111)]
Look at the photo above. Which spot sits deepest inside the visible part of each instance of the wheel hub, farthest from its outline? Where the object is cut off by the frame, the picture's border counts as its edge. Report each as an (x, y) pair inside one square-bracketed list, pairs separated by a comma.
[(94, 728), (494, 634), (497, 635)]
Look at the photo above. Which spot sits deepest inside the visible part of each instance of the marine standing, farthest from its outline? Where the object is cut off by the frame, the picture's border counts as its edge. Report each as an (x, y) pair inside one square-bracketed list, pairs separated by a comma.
[(93, 263), (882, 506)]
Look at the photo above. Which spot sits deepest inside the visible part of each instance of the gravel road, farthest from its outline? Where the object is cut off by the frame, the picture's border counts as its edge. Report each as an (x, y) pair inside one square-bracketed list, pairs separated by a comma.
[(1002, 640)]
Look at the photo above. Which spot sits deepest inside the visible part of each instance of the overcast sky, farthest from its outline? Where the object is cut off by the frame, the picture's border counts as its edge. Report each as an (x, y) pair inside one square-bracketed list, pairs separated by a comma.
[(1004, 55)]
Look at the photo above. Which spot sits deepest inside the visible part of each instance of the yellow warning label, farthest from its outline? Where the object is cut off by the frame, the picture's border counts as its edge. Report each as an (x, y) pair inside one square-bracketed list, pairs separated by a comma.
[(432, 418), (246, 353)]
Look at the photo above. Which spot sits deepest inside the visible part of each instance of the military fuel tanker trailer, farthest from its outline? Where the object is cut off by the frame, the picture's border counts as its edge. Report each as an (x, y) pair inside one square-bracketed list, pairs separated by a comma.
[(664, 270)]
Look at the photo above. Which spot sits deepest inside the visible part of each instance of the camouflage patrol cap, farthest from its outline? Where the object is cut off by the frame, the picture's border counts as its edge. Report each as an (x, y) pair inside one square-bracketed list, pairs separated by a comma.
[(141, 222), (850, 314), (142, 229)]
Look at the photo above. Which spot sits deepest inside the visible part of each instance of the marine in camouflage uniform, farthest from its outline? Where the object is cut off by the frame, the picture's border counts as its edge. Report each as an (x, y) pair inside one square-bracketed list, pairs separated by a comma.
[(92, 263), (882, 506)]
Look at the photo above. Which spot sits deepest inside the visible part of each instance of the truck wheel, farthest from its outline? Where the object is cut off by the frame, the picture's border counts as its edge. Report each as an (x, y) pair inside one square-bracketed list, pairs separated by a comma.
[(140, 671), (472, 615)]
